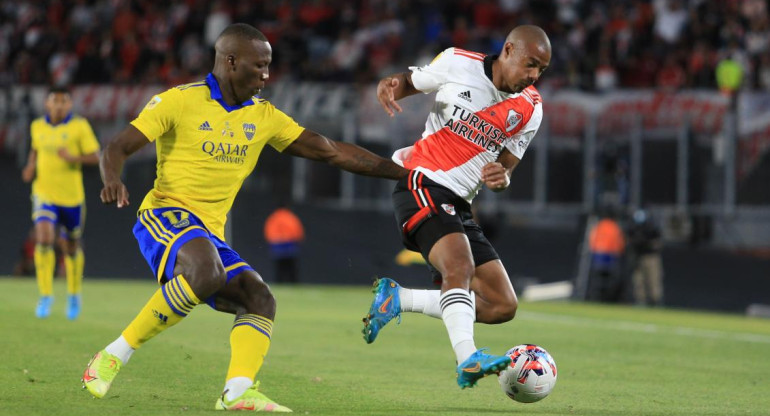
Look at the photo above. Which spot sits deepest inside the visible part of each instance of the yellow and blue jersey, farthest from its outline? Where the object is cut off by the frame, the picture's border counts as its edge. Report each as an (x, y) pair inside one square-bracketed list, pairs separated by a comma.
[(57, 181), (206, 148)]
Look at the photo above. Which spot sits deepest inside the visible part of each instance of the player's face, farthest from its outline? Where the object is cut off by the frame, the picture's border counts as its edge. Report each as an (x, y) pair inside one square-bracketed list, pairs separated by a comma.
[(251, 71), (58, 105), (523, 64)]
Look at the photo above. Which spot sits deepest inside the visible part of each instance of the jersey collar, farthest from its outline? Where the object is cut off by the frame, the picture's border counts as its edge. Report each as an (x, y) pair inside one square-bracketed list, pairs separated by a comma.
[(64, 121), (216, 94), (488, 60), (488, 65)]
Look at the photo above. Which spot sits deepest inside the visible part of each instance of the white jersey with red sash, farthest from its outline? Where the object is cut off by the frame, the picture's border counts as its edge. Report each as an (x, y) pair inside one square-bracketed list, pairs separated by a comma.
[(471, 121)]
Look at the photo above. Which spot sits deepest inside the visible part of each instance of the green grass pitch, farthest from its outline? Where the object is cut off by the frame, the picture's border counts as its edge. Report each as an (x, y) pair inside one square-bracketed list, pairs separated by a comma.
[(612, 360)]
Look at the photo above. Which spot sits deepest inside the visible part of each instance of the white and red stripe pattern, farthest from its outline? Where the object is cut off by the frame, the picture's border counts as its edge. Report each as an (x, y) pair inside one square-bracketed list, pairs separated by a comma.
[(471, 122), (423, 199), (469, 54)]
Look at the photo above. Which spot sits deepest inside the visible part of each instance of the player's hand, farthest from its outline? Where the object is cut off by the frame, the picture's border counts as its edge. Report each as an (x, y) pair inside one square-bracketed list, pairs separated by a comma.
[(28, 173), (64, 154), (115, 191), (386, 95), (495, 176)]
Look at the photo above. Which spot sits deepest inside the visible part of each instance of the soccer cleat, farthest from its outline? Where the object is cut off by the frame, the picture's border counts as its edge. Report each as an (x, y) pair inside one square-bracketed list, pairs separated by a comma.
[(73, 307), (479, 365), (252, 400), (100, 372), (385, 307), (43, 309)]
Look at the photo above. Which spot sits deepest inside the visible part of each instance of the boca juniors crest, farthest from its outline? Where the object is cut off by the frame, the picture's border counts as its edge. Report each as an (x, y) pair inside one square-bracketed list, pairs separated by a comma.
[(249, 129)]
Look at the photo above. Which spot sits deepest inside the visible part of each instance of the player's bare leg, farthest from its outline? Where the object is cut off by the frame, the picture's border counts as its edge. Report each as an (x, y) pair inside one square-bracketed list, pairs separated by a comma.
[(198, 274), (249, 298), (496, 301), (491, 293), (452, 256), (45, 265)]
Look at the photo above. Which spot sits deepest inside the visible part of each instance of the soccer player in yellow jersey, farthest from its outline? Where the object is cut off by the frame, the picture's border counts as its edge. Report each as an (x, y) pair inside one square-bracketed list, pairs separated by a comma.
[(61, 143), (208, 137)]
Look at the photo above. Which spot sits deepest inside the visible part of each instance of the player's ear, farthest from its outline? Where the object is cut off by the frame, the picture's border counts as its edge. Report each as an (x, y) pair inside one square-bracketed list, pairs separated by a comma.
[(508, 48), (231, 60)]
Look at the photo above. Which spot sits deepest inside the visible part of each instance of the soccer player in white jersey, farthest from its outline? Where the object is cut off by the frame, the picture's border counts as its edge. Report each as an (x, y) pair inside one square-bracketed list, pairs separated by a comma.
[(485, 115)]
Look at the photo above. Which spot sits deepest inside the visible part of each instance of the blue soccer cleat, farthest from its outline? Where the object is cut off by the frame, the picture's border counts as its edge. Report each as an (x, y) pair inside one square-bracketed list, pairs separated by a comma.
[(43, 309), (479, 365), (73, 307), (385, 307)]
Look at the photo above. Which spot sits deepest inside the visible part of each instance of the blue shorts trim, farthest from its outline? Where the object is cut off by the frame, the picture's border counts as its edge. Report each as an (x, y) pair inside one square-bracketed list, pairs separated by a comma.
[(73, 219), (162, 232)]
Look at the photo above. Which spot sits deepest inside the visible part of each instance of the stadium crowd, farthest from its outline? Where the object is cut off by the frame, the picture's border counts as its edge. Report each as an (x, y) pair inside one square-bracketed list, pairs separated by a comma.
[(597, 45)]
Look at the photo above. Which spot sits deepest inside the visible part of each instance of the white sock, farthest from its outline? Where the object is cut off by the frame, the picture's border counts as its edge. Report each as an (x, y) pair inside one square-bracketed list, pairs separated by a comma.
[(458, 315), (237, 386), (425, 302), (120, 349)]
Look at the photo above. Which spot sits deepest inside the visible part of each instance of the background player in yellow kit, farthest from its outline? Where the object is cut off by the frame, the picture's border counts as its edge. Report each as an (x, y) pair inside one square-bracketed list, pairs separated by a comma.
[(61, 143), (208, 138)]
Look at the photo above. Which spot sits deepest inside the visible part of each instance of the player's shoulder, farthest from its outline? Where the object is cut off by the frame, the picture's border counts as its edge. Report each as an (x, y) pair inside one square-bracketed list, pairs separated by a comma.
[(532, 95), (466, 55), (456, 57), (192, 86), (190, 90), (259, 101), (78, 119), (38, 121)]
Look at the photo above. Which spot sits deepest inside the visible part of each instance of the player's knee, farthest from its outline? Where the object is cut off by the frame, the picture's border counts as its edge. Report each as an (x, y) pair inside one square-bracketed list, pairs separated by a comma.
[(507, 310), (71, 247), (206, 280), (259, 298), (459, 272), (43, 239)]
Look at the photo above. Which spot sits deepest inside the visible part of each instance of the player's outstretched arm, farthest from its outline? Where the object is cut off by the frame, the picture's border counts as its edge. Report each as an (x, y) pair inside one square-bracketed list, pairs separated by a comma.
[(394, 88), (345, 156), (111, 164), (497, 175)]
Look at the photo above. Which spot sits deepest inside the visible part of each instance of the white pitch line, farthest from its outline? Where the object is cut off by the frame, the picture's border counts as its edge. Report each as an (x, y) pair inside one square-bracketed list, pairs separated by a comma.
[(644, 327)]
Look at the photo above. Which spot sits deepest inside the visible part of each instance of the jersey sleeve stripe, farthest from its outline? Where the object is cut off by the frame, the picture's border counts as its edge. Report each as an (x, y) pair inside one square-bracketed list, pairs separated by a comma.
[(475, 58), (467, 52)]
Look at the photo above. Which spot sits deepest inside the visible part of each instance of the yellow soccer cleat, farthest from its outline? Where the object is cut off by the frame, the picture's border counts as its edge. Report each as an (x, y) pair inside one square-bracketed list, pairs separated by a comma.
[(100, 372), (252, 400)]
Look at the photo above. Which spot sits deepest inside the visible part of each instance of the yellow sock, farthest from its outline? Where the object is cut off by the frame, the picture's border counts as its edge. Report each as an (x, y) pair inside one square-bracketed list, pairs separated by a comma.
[(249, 342), (172, 302), (74, 265), (45, 263)]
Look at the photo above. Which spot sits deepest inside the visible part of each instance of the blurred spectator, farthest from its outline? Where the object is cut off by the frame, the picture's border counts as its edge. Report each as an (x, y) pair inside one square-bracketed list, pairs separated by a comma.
[(671, 76), (607, 245), (597, 44), (284, 234), (645, 241), (670, 20)]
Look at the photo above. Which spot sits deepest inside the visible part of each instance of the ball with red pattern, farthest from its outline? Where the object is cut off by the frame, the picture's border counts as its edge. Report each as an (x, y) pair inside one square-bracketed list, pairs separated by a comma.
[(531, 375)]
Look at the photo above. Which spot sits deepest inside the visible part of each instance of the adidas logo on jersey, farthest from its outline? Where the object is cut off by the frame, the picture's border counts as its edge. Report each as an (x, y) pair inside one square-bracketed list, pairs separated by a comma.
[(465, 95), (205, 126)]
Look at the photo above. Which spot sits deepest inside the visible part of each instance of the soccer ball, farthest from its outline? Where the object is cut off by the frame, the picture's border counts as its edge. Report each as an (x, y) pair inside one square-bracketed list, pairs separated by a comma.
[(530, 376)]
